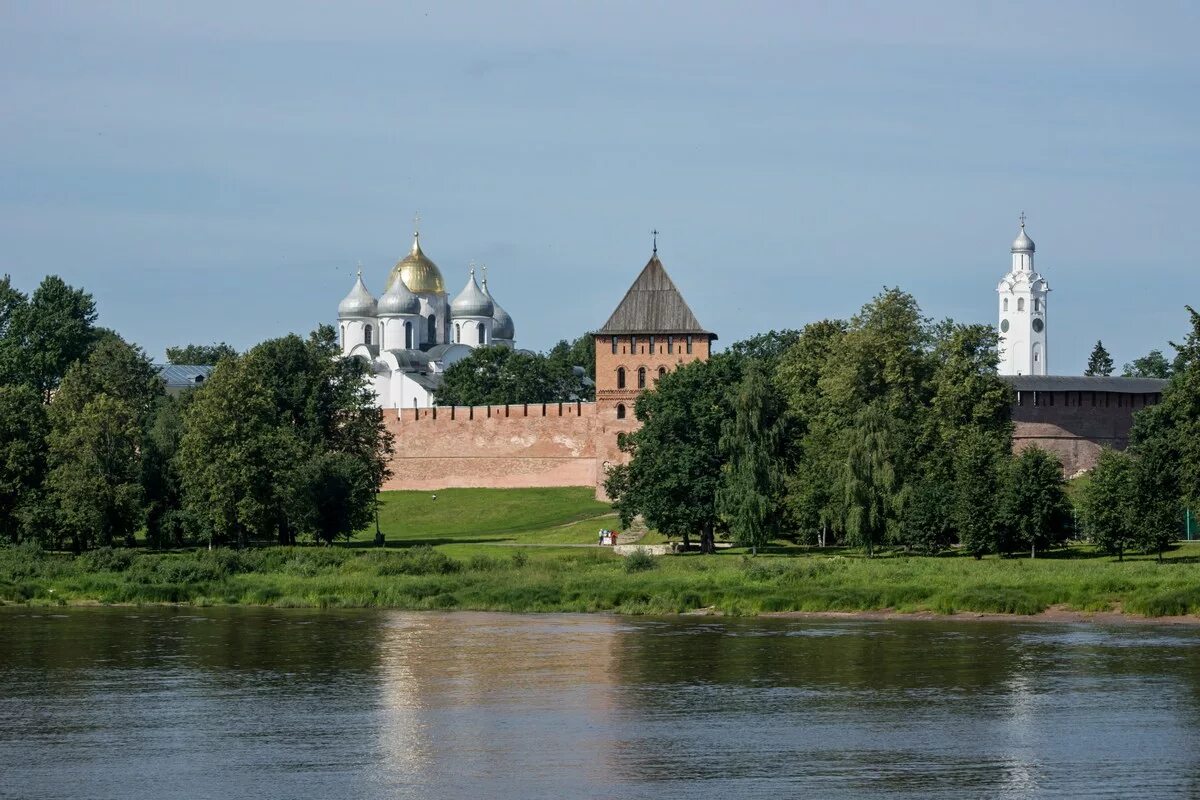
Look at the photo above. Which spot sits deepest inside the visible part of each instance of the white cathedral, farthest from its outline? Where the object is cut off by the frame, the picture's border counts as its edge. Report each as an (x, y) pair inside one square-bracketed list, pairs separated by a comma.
[(413, 332), (1023, 313)]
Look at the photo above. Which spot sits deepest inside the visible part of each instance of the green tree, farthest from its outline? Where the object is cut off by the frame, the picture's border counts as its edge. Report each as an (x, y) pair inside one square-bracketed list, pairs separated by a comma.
[(869, 480), (336, 494), (979, 463), (579, 353), (43, 336), (1099, 362), (235, 459), (166, 521), (23, 432), (115, 368), (767, 348), (208, 354), (1152, 365), (95, 473), (500, 376), (675, 466), (1109, 504), (753, 444), (1034, 506)]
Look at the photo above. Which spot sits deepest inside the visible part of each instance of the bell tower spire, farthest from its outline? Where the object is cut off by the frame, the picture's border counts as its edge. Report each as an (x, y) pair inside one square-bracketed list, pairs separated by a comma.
[(1023, 294)]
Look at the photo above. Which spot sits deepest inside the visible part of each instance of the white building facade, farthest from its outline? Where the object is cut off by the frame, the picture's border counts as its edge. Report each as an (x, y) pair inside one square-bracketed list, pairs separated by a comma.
[(413, 332), (1022, 313)]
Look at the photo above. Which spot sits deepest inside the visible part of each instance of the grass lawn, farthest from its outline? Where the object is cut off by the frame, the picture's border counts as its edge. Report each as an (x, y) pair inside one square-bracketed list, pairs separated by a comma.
[(519, 550)]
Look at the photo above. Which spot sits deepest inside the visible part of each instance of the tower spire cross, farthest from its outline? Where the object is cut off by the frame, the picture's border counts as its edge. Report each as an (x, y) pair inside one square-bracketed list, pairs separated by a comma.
[(417, 224), (1022, 219), (654, 233)]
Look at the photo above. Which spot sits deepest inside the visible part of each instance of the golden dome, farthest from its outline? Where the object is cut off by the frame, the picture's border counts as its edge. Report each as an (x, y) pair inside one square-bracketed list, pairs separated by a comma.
[(419, 273)]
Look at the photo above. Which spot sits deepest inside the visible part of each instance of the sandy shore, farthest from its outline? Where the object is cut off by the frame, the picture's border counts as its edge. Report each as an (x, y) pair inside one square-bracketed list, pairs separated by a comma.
[(1055, 614)]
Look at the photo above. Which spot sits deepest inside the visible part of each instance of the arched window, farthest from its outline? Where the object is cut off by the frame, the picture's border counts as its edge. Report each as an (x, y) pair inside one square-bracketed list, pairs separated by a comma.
[(433, 337), (620, 411), (343, 335), (620, 377), (1020, 304), (482, 334), (689, 344), (408, 342), (1037, 305), (641, 377), (614, 345), (1006, 304), (670, 344), (366, 334), (662, 371), (458, 333)]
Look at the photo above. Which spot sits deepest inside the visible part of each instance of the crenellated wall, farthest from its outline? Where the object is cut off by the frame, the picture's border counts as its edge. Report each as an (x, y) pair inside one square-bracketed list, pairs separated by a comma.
[(515, 446)]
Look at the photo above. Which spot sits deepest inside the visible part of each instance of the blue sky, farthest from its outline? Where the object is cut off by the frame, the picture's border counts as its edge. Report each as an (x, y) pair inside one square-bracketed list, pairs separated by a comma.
[(215, 171)]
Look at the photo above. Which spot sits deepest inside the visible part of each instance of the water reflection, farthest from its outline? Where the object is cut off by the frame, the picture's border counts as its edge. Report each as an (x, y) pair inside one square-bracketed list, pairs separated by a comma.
[(191, 703)]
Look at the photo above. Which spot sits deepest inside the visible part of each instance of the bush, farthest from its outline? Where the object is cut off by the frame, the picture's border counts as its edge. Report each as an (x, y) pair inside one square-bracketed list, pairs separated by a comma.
[(520, 559), (422, 560), (639, 561), (106, 559)]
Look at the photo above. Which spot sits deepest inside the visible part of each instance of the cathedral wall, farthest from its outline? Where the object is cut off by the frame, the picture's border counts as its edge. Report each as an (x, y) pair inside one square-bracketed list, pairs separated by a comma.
[(503, 447)]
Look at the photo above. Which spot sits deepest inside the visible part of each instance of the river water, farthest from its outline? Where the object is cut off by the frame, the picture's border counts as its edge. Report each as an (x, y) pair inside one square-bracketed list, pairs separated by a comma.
[(258, 703)]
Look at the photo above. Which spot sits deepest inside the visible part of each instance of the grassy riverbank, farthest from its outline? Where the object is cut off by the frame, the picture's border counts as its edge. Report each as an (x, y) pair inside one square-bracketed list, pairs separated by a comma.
[(583, 579), (526, 550)]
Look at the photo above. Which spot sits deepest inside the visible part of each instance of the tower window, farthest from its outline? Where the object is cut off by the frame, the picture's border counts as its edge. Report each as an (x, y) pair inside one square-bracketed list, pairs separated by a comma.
[(620, 411), (482, 334), (641, 377), (632, 344), (366, 334), (689, 344), (1020, 304), (408, 342), (433, 337), (662, 371), (1006, 304), (614, 345), (458, 333), (620, 377), (1037, 305), (651, 344), (670, 344)]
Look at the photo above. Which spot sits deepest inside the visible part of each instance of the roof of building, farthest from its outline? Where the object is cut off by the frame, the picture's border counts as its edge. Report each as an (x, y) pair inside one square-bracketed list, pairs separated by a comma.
[(653, 305), (472, 301), (502, 323), (418, 271), (1084, 383), (178, 376), (1023, 244), (429, 382), (398, 300), (359, 303)]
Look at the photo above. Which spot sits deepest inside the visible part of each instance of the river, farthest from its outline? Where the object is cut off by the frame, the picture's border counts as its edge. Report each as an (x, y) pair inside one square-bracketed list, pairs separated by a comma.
[(160, 703)]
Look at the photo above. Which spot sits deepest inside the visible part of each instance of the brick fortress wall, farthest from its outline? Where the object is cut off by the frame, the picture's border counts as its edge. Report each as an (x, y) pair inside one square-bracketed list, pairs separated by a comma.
[(1075, 426), (503, 447)]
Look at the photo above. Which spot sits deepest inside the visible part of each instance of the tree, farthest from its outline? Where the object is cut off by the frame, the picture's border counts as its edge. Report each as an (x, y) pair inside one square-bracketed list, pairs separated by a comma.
[(332, 489), (979, 461), (235, 459), (753, 443), (1034, 506), (1152, 365), (869, 480), (1109, 504), (500, 376), (675, 466), (95, 473), (208, 354), (1099, 362), (579, 353), (43, 336), (166, 521), (115, 368), (23, 432), (767, 348)]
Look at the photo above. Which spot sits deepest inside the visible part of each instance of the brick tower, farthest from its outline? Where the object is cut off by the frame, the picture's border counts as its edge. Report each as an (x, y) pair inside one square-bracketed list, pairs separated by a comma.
[(651, 332)]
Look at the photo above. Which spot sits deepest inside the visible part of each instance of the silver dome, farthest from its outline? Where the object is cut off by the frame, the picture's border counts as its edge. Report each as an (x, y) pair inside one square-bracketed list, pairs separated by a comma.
[(1022, 244), (502, 323), (398, 300), (471, 301), (359, 303)]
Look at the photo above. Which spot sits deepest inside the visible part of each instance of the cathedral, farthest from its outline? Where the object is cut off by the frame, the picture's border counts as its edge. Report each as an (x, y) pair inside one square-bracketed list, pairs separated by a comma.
[(414, 331)]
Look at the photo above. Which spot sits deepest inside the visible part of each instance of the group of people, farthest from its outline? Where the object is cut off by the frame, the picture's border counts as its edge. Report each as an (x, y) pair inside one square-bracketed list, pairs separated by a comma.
[(607, 537)]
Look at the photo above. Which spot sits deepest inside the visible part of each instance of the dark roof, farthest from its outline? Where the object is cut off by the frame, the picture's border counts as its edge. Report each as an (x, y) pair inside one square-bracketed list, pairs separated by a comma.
[(653, 305), (1084, 383), (177, 376)]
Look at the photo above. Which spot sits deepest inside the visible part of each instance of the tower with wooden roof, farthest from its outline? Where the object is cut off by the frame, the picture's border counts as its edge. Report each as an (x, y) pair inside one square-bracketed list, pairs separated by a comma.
[(651, 332)]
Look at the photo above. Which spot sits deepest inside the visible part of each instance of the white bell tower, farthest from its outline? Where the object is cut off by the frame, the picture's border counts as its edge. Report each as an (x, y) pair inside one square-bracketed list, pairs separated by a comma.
[(1023, 313)]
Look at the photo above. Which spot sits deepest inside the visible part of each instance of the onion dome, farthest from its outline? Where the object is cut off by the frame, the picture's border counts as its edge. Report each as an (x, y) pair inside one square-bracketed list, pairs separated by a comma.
[(359, 303), (502, 323), (398, 300), (1022, 244), (471, 301), (419, 274)]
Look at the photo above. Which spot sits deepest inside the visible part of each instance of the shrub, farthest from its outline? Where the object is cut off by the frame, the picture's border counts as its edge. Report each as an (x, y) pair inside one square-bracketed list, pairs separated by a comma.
[(520, 559), (421, 560), (106, 559), (639, 561)]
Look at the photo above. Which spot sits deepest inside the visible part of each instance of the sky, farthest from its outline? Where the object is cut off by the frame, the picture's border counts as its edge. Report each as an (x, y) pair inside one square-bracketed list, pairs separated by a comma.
[(215, 171)]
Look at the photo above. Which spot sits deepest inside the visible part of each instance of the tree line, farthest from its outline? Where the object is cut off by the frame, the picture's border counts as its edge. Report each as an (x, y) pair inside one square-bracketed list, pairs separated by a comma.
[(886, 430), (281, 442), (498, 375)]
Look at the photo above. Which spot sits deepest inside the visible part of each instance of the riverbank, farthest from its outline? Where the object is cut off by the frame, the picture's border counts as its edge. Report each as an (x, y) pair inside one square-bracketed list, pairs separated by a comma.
[(1073, 586)]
